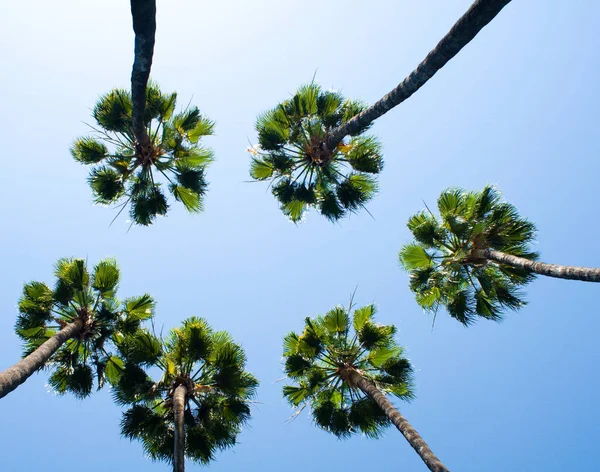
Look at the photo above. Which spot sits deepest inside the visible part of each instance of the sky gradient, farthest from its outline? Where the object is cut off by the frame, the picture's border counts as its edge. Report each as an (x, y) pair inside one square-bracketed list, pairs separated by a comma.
[(518, 108)]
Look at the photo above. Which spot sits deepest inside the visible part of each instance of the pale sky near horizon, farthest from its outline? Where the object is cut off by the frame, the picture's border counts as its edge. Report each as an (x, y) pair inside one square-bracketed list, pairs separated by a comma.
[(518, 108)]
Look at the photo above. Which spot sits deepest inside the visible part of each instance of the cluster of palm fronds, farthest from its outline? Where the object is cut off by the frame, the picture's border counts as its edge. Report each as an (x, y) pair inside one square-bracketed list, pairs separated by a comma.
[(444, 263), (89, 299), (211, 367), (124, 173), (303, 173), (316, 360)]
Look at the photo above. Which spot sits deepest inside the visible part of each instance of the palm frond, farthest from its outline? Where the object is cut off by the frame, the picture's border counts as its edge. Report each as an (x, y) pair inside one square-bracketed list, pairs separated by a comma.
[(88, 150)]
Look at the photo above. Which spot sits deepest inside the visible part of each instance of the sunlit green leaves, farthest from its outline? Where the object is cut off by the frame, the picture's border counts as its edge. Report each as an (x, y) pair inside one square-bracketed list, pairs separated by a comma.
[(361, 316), (113, 111), (378, 357), (106, 276), (159, 106), (113, 370), (84, 302), (35, 307), (303, 174), (260, 169), (336, 320), (139, 308), (413, 256), (316, 361), (442, 262), (129, 175)]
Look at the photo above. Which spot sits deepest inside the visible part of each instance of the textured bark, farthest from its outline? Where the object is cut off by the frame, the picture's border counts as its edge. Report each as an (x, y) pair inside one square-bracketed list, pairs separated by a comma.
[(464, 30), (585, 274), (144, 27), (14, 376), (178, 412), (411, 435)]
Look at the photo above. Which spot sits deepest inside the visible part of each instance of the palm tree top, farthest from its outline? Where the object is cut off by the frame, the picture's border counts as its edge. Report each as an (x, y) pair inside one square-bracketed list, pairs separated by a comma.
[(319, 359), (126, 173), (302, 175), (91, 299), (218, 390), (445, 263)]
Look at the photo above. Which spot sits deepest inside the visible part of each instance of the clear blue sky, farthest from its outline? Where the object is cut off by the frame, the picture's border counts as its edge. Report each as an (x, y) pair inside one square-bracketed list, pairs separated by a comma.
[(517, 108)]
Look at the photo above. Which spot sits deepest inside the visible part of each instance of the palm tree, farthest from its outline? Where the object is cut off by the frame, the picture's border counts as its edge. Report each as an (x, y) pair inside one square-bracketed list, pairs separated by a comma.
[(343, 369), (289, 153), (475, 256), (70, 328), (199, 404), (124, 174), (304, 147)]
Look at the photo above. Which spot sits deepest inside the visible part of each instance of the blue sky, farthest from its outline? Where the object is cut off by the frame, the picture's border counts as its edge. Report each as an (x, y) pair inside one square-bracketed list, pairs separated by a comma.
[(517, 108)]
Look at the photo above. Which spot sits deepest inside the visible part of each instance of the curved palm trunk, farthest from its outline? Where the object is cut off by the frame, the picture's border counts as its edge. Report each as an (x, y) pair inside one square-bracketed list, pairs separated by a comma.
[(144, 26), (14, 376), (464, 30), (178, 411), (411, 435), (585, 274)]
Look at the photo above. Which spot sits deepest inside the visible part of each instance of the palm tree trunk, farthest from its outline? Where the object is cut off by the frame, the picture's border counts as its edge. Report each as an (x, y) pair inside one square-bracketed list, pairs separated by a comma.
[(144, 27), (14, 376), (585, 274), (464, 30), (411, 435), (178, 411)]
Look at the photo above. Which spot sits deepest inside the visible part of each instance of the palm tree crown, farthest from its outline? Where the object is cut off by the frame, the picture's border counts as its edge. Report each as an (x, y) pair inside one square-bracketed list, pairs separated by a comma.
[(289, 153), (128, 173), (78, 295), (444, 260), (211, 368), (319, 359)]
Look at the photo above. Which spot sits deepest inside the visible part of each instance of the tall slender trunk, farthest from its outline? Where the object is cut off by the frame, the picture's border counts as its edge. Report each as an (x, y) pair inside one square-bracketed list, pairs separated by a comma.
[(411, 435), (585, 274), (464, 30), (178, 412), (14, 376), (144, 27)]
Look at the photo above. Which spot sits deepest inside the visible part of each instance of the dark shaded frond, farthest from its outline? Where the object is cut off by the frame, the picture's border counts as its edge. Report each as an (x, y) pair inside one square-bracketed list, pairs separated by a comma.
[(88, 150)]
